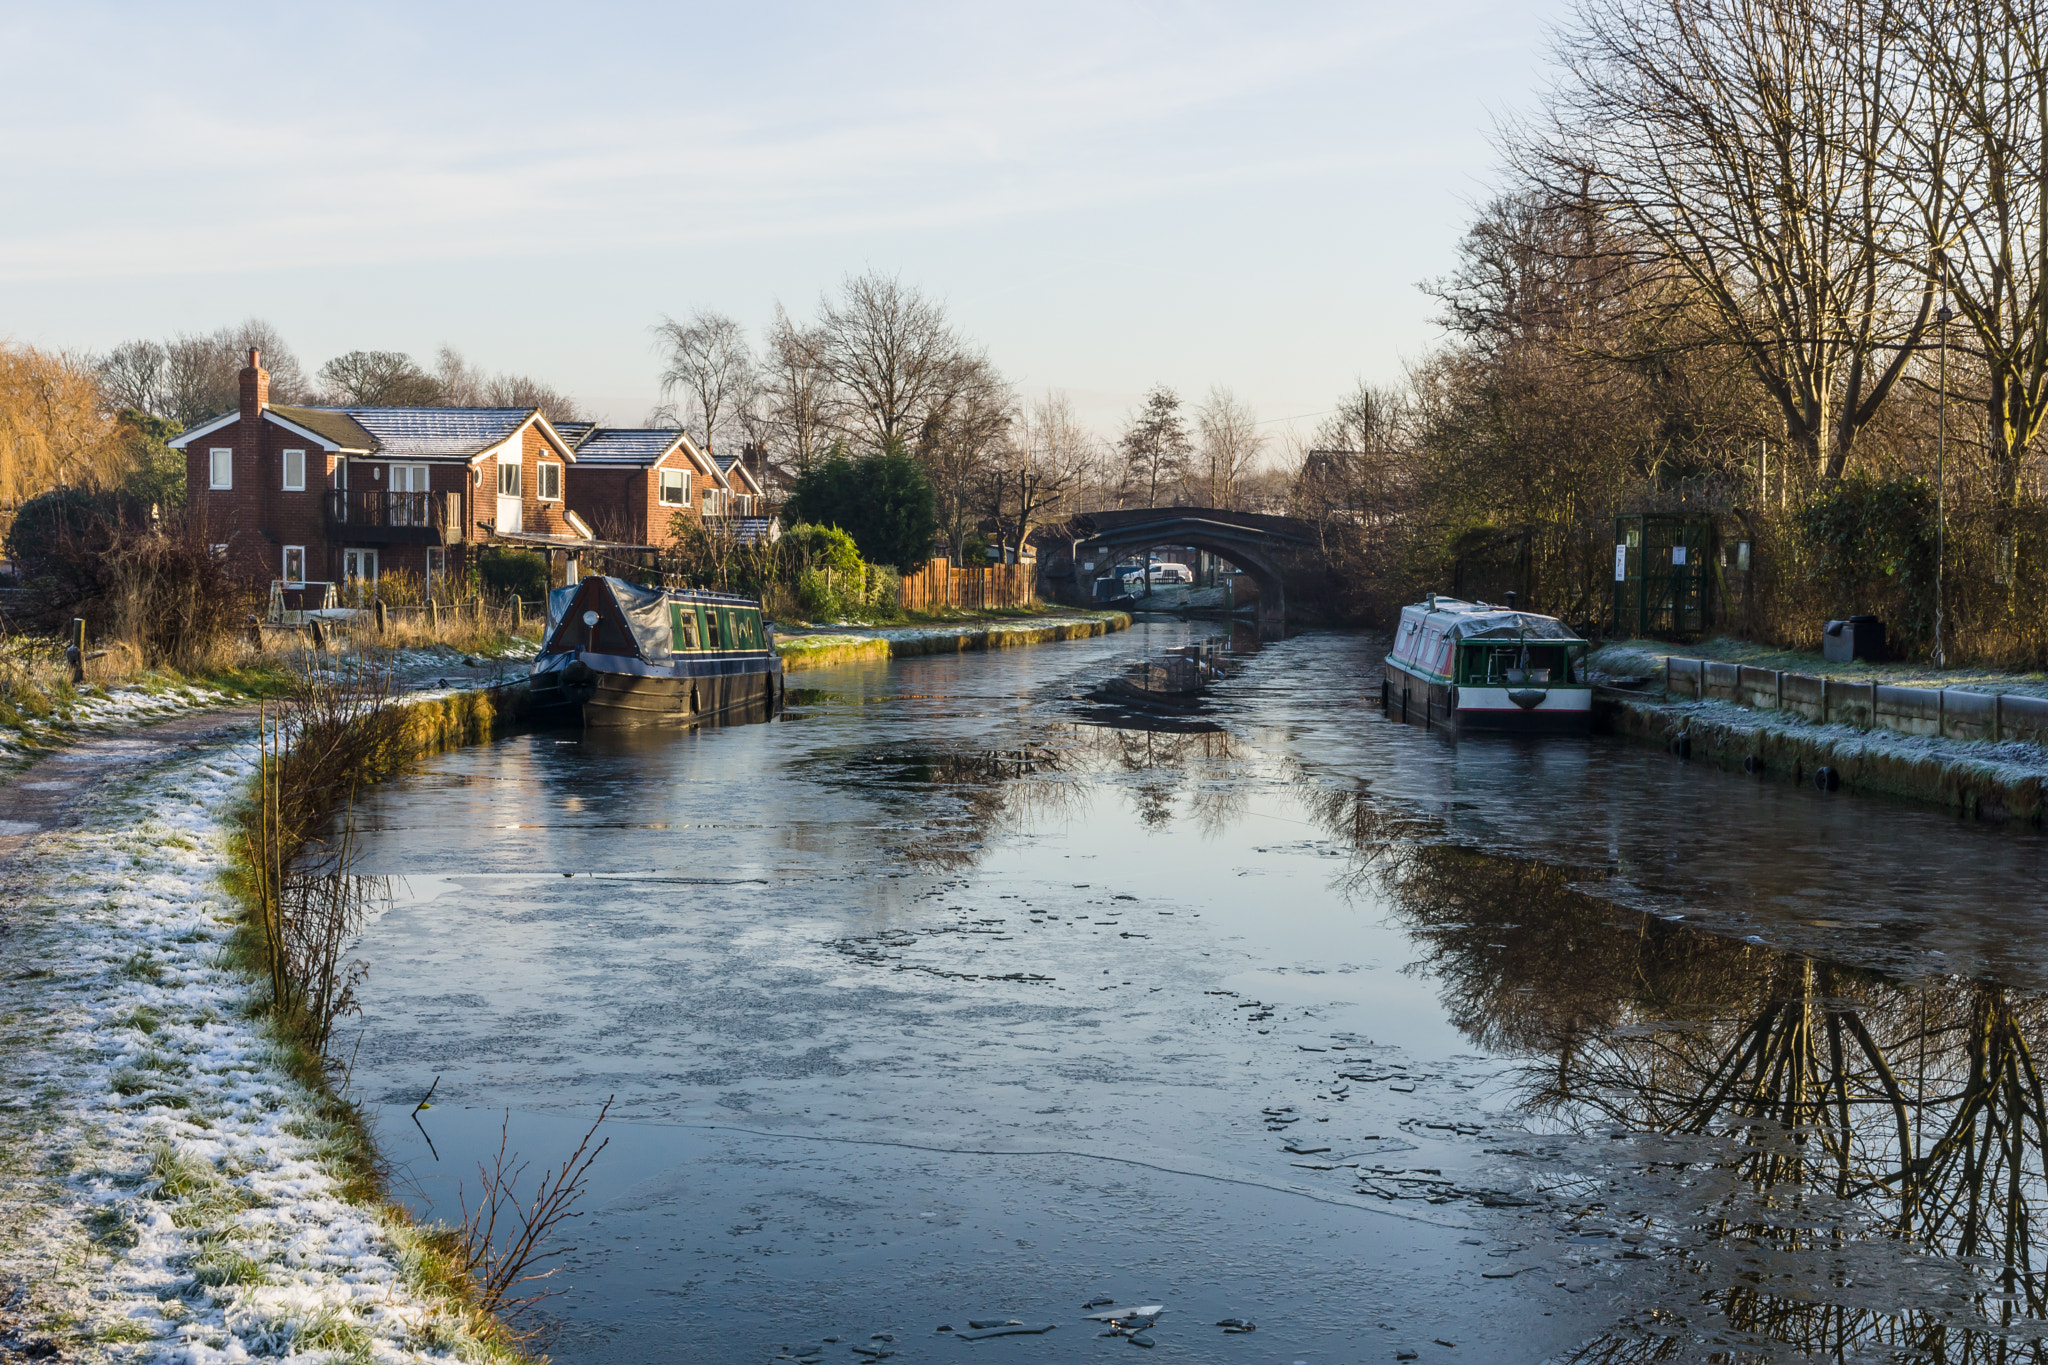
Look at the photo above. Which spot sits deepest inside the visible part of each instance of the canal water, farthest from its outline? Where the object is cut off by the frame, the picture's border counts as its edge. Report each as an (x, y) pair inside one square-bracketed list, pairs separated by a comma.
[(952, 997)]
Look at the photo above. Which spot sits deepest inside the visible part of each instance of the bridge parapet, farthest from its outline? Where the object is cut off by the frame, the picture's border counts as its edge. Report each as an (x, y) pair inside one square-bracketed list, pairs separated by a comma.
[(1257, 543)]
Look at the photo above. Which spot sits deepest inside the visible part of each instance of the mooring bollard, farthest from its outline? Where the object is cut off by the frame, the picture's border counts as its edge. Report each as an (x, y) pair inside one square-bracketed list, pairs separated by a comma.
[(383, 623)]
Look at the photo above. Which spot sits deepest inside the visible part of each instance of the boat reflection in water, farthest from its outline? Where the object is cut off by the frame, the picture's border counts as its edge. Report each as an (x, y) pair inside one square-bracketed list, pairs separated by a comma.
[(1816, 1155)]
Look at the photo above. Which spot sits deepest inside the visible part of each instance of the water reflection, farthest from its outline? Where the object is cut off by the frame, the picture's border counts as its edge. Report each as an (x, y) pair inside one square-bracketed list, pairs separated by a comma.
[(1835, 1160)]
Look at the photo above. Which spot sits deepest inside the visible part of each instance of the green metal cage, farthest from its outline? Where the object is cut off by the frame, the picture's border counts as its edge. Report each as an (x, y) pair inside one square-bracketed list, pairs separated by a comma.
[(1663, 574)]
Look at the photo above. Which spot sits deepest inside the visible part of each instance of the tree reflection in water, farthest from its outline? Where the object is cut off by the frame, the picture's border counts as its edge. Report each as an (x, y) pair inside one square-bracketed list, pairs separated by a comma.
[(948, 803), (1850, 1165)]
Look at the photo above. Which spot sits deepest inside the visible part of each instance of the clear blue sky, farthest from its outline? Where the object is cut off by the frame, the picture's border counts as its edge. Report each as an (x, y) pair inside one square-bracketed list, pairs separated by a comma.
[(1108, 195)]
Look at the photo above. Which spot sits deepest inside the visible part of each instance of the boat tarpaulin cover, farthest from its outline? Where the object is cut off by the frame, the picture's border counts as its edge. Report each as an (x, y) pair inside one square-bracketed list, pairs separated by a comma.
[(645, 610), (558, 602), (1509, 625), (646, 613)]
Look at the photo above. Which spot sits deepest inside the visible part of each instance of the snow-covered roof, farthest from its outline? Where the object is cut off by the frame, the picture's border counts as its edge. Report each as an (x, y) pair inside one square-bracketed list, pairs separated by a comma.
[(1462, 620), (626, 445), (438, 431)]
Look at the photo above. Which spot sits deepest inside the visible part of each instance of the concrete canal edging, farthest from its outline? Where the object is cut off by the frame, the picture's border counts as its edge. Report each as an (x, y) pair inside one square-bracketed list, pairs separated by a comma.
[(801, 652), (1979, 754)]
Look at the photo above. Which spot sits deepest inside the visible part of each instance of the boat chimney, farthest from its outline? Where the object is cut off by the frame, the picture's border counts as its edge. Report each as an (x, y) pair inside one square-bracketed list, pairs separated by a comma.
[(1511, 601), (1431, 603)]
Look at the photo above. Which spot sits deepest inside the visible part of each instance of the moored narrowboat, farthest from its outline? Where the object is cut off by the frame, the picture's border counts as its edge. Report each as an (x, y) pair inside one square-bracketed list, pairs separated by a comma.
[(620, 654), (1471, 666)]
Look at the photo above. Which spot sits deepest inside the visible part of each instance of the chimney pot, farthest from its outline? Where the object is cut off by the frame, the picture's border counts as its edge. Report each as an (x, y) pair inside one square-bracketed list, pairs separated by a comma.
[(255, 358)]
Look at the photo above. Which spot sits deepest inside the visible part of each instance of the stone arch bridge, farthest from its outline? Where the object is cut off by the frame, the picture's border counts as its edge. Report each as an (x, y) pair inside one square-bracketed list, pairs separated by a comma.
[(1263, 546)]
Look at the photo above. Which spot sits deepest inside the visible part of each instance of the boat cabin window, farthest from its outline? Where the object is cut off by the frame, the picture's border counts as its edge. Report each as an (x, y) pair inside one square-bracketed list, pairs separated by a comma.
[(1502, 665), (683, 620)]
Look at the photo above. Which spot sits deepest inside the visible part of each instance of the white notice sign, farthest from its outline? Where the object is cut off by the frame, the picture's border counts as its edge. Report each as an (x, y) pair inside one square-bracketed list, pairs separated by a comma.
[(1621, 563), (1677, 556)]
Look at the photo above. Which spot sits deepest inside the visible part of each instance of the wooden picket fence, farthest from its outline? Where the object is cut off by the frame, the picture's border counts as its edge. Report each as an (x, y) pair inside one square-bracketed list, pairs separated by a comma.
[(978, 588)]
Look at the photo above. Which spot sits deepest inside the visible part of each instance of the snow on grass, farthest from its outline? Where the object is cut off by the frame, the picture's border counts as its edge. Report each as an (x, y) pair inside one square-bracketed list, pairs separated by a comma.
[(169, 1192), (93, 709), (1646, 657)]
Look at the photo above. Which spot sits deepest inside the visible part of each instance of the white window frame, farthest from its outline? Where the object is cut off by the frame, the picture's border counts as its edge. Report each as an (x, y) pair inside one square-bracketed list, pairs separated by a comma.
[(437, 564), (220, 467), (366, 565), (291, 484), (508, 472), (681, 488), (289, 551), (549, 471)]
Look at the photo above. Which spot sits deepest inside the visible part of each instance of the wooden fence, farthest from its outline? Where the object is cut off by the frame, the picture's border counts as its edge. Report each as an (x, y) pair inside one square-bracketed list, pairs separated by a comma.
[(941, 584), (1944, 711)]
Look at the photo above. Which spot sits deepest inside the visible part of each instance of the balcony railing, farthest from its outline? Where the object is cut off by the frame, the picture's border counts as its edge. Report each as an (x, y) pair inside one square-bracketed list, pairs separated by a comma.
[(373, 516)]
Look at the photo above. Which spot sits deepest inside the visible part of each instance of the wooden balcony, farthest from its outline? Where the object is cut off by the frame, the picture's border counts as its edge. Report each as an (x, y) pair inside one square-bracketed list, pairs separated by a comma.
[(372, 516)]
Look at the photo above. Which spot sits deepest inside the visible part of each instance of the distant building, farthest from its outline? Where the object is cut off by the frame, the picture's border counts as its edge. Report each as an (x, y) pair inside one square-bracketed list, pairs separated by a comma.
[(344, 495)]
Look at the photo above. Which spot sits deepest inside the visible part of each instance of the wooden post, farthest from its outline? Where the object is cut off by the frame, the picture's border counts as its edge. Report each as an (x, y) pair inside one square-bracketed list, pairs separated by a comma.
[(1997, 716), (518, 613), (433, 614), (1778, 690), (74, 650), (383, 618), (1941, 713)]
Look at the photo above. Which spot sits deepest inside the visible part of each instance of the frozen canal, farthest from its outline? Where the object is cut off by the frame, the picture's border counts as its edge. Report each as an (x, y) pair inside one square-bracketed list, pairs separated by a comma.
[(945, 999)]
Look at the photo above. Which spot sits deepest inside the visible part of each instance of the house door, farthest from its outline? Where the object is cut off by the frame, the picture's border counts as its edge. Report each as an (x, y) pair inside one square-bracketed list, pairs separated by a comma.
[(359, 573), (409, 495), (510, 520)]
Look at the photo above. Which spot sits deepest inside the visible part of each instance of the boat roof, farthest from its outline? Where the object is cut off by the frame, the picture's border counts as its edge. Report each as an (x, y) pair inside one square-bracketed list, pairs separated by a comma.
[(1462, 620)]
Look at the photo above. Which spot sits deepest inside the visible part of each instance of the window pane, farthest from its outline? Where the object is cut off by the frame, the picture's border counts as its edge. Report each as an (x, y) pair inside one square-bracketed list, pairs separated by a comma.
[(295, 469), (223, 468)]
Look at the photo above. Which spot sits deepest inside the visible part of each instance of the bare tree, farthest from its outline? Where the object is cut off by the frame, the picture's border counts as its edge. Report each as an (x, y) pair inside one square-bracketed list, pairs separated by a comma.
[(891, 352), (793, 394), (1743, 147), (1040, 468), (196, 376), (376, 379), (962, 432), (1155, 447), (1230, 446), (1974, 174), (133, 375), (707, 362)]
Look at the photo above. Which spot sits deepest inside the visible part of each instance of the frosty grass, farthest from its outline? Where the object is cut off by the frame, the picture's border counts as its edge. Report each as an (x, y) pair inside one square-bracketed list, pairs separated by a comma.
[(167, 1191)]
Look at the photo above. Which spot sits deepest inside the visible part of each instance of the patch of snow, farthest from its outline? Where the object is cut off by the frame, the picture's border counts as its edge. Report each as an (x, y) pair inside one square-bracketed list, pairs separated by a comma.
[(171, 1186)]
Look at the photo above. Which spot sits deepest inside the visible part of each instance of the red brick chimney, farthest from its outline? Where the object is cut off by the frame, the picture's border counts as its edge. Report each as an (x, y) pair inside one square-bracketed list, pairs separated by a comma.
[(255, 389)]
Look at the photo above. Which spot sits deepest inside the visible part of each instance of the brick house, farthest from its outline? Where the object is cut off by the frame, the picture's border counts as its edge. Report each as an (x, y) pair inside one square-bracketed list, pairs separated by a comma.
[(628, 483), (748, 498), (342, 495)]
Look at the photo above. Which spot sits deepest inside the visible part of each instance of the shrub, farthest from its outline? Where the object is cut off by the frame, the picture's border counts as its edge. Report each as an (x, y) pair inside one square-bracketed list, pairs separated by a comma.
[(507, 572), (883, 500)]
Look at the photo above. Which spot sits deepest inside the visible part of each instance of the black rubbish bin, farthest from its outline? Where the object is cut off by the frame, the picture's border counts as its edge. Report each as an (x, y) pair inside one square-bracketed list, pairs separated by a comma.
[(1858, 637)]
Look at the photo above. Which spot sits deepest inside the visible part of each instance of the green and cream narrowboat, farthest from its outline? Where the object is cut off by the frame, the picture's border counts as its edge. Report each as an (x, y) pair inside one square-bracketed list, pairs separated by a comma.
[(1471, 666), (620, 654)]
